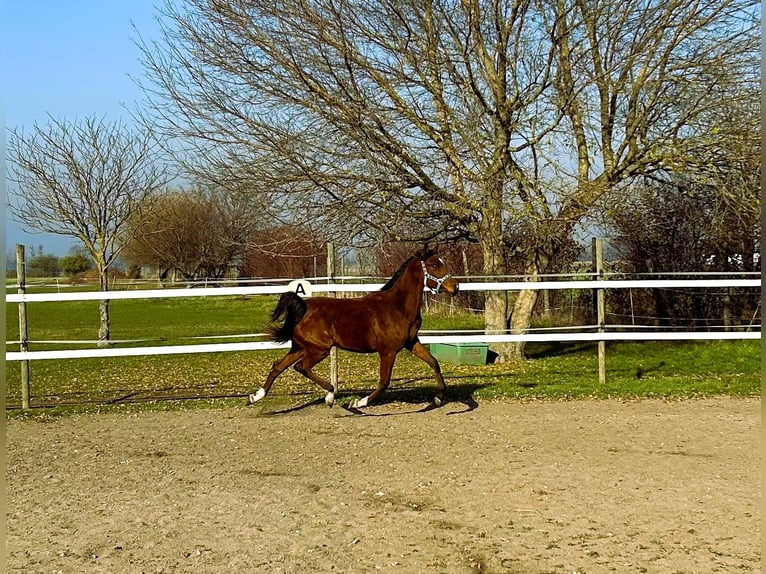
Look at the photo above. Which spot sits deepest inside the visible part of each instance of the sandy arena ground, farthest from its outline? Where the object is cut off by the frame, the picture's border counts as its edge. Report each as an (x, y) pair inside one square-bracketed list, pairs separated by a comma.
[(518, 487)]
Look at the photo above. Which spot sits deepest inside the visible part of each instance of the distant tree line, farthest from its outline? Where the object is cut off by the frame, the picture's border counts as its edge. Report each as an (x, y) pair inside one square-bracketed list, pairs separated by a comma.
[(197, 234), (40, 264)]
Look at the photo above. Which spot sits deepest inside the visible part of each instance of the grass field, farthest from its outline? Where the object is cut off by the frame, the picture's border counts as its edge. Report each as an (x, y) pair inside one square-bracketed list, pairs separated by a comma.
[(553, 371)]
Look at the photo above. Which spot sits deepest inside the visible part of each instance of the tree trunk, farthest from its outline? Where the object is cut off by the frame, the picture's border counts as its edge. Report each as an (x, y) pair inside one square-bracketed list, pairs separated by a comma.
[(495, 302), (521, 317), (103, 308)]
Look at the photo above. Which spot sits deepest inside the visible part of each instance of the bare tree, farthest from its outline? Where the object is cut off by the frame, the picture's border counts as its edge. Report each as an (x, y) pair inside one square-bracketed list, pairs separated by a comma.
[(198, 232), (499, 122), (85, 179), (676, 226), (731, 172)]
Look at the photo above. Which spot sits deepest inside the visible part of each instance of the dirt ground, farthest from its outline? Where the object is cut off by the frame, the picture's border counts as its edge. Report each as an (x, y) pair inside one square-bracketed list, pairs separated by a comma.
[(518, 487)]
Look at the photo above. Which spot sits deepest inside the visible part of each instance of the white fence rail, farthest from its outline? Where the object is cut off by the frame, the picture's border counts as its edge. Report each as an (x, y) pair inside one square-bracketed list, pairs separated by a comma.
[(606, 335), (368, 287)]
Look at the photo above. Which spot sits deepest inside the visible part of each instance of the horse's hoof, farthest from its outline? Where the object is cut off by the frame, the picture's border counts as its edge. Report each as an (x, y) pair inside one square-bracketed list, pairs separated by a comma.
[(257, 396), (329, 399), (439, 401), (359, 403)]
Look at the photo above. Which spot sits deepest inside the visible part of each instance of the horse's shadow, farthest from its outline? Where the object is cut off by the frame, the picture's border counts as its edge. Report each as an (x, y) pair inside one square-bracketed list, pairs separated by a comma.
[(293, 409), (460, 393)]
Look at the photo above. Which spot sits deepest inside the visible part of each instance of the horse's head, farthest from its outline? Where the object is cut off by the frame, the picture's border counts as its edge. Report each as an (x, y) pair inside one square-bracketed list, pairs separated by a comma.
[(437, 277)]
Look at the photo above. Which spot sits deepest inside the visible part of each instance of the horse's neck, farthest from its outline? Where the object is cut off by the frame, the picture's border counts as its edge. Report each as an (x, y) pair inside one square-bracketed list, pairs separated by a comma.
[(409, 289)]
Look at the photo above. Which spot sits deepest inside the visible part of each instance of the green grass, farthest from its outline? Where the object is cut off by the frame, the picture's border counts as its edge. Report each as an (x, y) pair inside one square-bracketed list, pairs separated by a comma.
[(164, 321), (553, 371), (642, 369)]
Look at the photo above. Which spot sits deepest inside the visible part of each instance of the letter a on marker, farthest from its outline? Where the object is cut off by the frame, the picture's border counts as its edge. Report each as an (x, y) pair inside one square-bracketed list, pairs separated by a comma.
[(300, 287)]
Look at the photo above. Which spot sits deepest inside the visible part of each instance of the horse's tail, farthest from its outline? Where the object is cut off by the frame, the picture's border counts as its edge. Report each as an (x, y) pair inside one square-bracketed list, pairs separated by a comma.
[(292, 308)]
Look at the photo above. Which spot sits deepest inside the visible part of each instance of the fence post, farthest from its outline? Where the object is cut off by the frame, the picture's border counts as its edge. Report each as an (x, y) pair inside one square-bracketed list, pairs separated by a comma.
[(598, 266), (727, 309), (21, 277), (333, 350)]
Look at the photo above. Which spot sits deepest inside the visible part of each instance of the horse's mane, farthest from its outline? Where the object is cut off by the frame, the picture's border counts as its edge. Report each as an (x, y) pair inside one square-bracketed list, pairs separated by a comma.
[(395, 277), (421, 255)]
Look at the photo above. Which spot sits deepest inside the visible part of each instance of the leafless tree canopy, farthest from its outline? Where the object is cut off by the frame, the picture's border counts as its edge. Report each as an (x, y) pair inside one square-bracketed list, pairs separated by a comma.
[(503, 122), (198, 232), (83, 179)]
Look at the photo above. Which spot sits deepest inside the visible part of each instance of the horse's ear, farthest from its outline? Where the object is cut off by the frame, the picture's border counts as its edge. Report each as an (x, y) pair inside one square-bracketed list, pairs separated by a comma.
[(425, 252)]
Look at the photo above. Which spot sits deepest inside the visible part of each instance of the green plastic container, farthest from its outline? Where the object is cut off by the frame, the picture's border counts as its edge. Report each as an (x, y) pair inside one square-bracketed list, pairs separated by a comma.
[(460, 353)]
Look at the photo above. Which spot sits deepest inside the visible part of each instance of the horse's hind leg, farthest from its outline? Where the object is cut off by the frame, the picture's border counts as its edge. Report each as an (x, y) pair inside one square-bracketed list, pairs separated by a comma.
[(295, 354), (305, 366), (424, 355), (386, 367)]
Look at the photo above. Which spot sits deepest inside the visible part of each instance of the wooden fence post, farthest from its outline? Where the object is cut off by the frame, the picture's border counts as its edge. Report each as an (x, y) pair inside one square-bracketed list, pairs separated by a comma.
[(333, 350), (598, 266), (21, 277)]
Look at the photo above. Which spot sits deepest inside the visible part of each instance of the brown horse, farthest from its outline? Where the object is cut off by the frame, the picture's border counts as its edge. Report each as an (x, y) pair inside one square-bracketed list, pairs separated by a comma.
[(384, 322)]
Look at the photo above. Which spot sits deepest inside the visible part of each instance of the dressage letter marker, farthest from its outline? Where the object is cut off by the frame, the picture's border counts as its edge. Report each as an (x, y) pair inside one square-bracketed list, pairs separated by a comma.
[(300, 287)]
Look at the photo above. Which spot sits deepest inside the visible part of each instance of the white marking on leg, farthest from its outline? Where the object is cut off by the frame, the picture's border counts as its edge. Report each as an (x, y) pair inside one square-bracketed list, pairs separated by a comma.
[(438, 402), (258, 395), (329, 399), (359, 403)]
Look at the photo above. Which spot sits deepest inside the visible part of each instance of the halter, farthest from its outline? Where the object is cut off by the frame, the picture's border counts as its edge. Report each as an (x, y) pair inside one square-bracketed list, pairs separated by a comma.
[(437, 280)]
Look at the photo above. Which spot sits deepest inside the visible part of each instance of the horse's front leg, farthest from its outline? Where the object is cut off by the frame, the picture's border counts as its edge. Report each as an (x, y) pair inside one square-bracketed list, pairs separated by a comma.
[(424, 354), (386, 367)]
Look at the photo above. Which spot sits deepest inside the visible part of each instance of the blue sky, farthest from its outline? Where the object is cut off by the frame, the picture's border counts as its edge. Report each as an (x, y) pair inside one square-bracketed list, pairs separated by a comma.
[(70, 59)]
